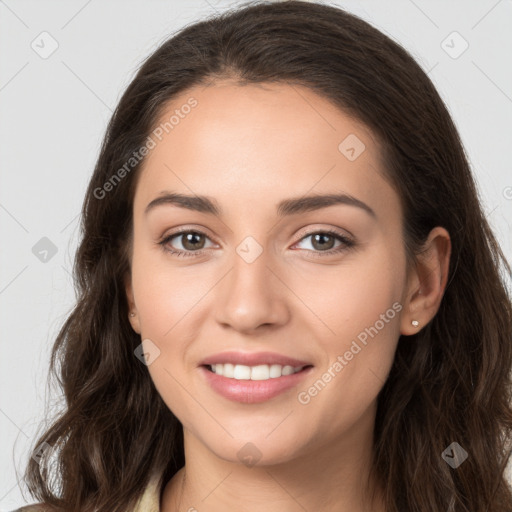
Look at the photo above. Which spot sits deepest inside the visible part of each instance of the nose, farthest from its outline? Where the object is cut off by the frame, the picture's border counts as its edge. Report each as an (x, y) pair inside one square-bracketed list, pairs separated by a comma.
[(252, 295)]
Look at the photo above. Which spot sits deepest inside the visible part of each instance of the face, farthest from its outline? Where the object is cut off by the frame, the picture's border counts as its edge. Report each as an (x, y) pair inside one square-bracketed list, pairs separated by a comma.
[(322, 286)]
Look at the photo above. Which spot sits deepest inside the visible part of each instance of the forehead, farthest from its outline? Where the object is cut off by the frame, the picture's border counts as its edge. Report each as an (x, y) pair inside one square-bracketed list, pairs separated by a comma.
[(243, 144)]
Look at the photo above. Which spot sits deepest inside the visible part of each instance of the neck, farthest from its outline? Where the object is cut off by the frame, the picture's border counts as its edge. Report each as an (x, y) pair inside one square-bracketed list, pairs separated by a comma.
[(325, 477)]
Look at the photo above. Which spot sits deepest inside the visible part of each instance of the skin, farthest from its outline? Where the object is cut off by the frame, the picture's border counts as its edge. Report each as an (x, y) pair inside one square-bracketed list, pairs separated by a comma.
[(249, 148)]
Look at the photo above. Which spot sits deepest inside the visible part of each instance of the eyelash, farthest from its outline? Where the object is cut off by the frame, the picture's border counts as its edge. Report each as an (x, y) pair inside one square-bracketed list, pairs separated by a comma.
[(347, 243)]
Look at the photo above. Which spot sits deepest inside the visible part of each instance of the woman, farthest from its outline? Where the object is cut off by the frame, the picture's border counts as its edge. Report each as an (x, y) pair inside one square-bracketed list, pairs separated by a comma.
[(289, 296)]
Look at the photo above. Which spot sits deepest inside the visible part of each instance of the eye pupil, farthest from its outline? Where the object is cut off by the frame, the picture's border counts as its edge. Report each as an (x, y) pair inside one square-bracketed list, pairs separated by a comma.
[(189, 239), (320, 237)]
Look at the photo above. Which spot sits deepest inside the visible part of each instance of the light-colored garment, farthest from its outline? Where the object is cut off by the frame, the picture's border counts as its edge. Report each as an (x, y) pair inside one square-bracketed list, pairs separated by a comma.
[(150, 500)]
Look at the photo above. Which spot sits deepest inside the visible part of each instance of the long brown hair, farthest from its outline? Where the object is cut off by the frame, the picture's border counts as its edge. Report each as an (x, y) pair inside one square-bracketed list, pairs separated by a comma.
[(450, 382)]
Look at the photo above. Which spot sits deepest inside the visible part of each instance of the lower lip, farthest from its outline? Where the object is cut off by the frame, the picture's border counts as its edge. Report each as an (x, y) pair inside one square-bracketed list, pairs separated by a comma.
[(252, 391)]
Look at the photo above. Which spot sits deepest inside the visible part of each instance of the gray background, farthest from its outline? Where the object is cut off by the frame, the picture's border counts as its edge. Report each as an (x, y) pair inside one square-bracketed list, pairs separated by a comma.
[(54, 111)]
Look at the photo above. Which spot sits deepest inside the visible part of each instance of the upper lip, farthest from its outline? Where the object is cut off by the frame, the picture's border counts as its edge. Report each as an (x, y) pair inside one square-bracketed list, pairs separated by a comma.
[(253, 359)]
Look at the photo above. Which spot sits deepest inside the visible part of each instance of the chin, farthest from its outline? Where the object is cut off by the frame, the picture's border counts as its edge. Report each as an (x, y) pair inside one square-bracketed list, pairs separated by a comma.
[(254, 450)]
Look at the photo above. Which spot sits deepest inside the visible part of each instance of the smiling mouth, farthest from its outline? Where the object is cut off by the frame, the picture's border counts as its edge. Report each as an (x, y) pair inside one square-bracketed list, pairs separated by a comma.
[(258, 372)]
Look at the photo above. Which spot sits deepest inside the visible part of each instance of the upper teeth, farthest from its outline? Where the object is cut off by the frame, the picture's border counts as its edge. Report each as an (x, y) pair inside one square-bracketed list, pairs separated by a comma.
[(260, 372)]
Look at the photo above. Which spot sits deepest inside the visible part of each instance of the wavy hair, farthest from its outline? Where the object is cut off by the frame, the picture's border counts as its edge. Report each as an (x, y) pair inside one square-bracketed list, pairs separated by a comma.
[(449, 382)]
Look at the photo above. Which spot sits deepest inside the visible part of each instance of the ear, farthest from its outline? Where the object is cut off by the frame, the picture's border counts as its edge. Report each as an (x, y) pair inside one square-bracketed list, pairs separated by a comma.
[(427, 282), (133, 315)]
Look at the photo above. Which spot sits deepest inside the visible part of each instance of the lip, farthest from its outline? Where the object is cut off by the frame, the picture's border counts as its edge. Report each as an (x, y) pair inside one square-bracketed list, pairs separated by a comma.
[(253, 359), (252, 391)]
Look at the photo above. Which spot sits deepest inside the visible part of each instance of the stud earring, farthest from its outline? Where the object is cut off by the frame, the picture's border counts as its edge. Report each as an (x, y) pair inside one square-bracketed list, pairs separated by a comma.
[(132, 314), (415, 323)]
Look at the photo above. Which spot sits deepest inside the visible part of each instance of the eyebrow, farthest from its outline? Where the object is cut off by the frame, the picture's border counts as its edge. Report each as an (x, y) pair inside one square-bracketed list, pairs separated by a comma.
[(286, 207)]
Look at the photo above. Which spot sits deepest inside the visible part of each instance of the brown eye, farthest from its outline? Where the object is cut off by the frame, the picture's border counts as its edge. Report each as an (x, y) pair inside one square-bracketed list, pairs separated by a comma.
[(192, 241), (322, 241)]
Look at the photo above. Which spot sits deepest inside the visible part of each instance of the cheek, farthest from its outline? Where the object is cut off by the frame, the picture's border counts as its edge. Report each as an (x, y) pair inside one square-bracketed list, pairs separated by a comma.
[(167, 299), (365, 328), (165, 293), (345, 299), (362, 311)]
